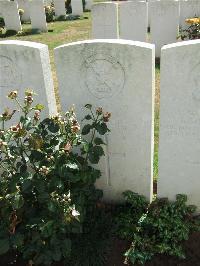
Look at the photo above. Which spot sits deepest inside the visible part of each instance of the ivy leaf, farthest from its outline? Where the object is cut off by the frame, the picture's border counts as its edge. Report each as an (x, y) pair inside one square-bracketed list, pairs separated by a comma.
[(17, 201), (98, 150), (102, 128), (88, 117), (4, 245), (93, 157), (26, 185), (53, 127), (36, 155), (86, 129), (99, 141)]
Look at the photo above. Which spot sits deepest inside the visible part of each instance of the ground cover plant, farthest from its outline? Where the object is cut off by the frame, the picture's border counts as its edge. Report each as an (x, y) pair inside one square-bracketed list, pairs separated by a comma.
[(192, 32), (156, 228), (47, 179)]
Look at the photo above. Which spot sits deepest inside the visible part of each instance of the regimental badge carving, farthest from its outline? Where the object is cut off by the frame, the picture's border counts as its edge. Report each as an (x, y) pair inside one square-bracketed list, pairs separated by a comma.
[(10, 76), (104, 76)]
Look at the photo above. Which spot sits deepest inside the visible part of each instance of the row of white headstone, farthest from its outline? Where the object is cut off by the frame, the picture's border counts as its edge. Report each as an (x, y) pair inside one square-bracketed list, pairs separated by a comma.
[(119, 75), (129, 20), (34, 11), (59, 6)]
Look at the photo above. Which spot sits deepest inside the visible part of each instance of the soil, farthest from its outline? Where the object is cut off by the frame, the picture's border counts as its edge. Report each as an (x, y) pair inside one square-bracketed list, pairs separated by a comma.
[(115, 258)]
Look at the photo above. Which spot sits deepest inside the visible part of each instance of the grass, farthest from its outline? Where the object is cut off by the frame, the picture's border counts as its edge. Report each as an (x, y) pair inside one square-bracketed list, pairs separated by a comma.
[(75, 30)]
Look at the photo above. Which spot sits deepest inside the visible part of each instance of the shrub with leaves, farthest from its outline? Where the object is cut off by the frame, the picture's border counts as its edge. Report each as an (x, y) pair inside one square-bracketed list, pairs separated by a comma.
[(47, 179), (129, 213), (159, 230), (2, 22), (193, 31), (50, 12)]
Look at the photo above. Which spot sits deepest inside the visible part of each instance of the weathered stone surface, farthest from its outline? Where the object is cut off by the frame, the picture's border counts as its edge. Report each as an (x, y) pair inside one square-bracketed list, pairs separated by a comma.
[(9, 11), (77, 7), (179, 148), (88, 4), (37, 15), (133, 20), (105, 21), (26, 65), (111, 74), (164, 22), (59, 6), (24, 5)]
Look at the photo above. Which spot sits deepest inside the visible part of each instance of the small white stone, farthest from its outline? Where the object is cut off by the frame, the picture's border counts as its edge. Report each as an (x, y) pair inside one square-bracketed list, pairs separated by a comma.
[(164, 23), (59, 6), (105, 21), (37, 15), (77, 7), (133, 20)]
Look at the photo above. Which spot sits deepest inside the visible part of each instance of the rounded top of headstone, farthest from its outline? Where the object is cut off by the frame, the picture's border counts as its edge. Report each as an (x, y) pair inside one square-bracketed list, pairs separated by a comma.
[(180, 44), (24, 43), (110, 41)]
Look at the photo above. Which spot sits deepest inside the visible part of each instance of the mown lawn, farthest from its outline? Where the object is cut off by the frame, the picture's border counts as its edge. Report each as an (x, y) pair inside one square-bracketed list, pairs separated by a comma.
[(75, 30)]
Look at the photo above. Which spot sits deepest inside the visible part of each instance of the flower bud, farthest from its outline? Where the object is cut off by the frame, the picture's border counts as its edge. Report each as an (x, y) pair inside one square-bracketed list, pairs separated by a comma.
[(12, 95)]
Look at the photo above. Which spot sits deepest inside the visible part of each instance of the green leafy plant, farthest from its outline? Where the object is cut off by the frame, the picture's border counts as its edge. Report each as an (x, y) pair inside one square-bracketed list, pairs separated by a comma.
[(192, 32), (50, 12), (47, 179), (129, 213), (160, 229), (2, 22)]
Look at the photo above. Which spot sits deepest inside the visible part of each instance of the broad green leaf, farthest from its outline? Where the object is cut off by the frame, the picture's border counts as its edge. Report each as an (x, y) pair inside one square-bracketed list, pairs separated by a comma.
[(102, 128), (98, 150), (86, 129), (53, 127), (4, 245), (98, 141), (88, 117), (93, 157), (17, 201)]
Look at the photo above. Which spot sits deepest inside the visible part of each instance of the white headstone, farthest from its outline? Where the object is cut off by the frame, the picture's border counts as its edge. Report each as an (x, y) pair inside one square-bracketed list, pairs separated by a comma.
[(188, 9), (37, 15), (59, 6), (164, 22), (88, 4), (24, 5), (77, 7), (26, 65), (48, 2), (179, 148), (133, 20), (105, 21), (9, 11), (110, 74)]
